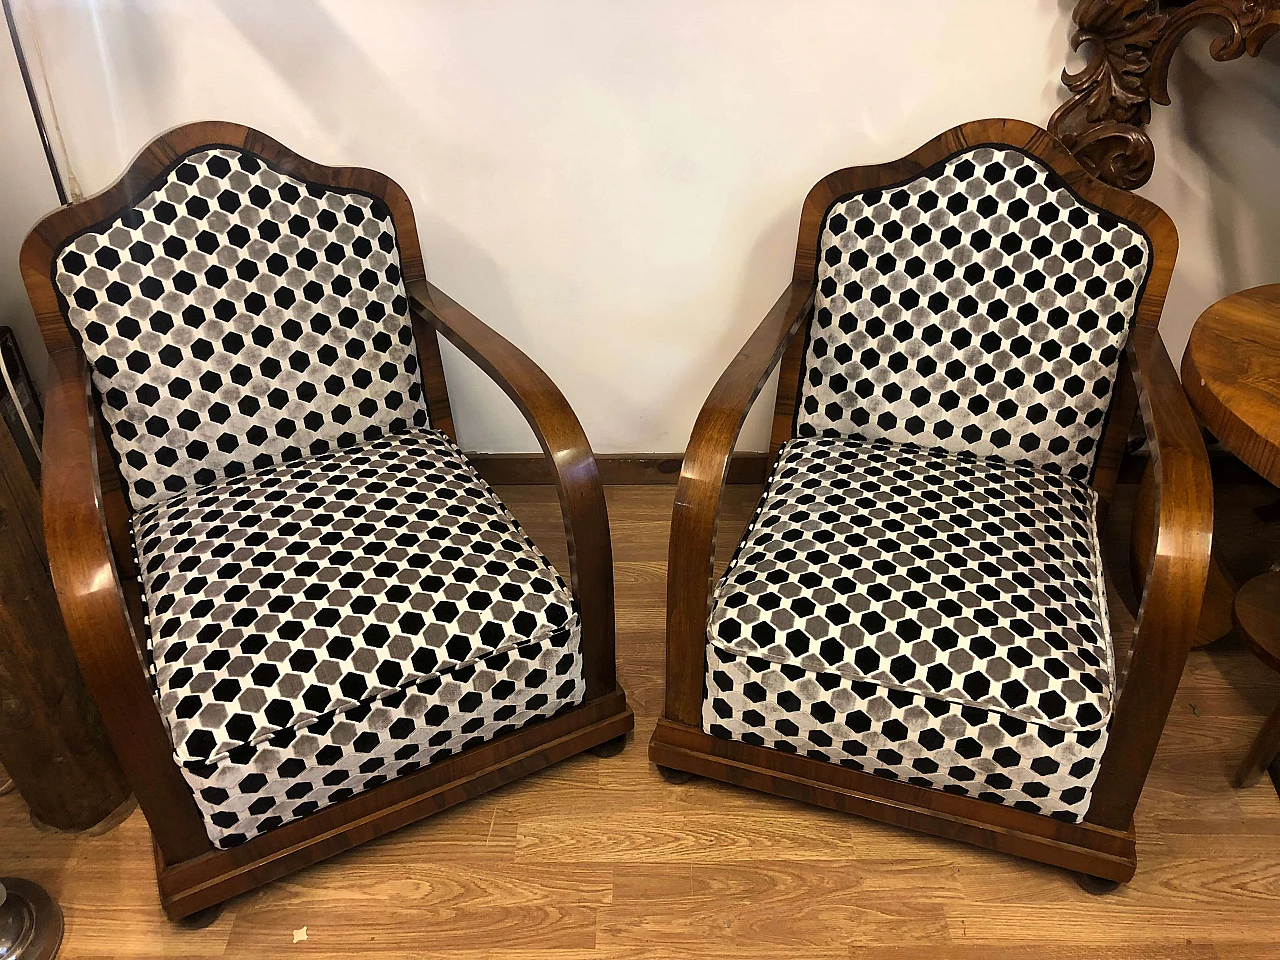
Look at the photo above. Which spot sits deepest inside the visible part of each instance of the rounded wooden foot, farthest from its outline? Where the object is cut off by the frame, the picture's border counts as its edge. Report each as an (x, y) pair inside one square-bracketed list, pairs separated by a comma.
[(1096, 885), (201, 918), (610, 748), (672, 775)]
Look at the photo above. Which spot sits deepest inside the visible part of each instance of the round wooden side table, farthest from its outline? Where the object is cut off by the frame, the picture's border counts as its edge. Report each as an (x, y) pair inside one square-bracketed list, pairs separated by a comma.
[(1231, 372)]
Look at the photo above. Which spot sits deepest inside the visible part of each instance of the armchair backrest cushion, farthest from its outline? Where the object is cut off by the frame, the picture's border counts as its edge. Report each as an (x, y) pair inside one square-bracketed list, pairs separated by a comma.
[(235, 317), (981, 306)]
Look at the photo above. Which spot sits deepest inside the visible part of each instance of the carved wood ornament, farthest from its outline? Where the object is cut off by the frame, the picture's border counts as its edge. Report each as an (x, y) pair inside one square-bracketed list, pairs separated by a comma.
[(1132, 44)]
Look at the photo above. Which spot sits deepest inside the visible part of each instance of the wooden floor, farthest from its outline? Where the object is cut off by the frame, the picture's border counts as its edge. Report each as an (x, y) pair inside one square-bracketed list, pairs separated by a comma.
[(601, 858)]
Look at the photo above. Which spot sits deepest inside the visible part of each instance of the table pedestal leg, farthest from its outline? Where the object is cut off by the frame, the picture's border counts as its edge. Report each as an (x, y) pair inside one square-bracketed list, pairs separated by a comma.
[(1219, 598), (1263, 751), (1257, 621)]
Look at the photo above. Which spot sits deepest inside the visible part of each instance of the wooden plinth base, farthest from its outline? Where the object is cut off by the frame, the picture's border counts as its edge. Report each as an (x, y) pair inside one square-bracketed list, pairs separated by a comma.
[(197, 884), (1082, 847)]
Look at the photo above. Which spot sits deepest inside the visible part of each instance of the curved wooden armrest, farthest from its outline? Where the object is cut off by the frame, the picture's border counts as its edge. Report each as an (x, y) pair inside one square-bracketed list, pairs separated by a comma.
[(1184, 530), (586, 518), (1176, 574), (702, 477), (93, 607)]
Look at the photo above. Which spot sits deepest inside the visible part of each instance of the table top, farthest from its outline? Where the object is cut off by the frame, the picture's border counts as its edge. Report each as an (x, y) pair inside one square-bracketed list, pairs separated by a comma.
[(1231, 372)]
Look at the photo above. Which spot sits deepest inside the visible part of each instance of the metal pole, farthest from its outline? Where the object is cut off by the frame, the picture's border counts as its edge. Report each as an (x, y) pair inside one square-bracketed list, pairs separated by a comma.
[(35, 104)]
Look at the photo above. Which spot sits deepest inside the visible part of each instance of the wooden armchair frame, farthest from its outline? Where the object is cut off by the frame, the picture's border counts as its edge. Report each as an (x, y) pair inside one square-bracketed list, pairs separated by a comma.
[(1181, 515), (86, 521)]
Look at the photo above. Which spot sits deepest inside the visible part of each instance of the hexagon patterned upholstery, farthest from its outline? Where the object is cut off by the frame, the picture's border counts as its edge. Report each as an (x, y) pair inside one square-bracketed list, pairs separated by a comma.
[(381, 580), (333, 597), (919, 595), (982, 306), (236, 316), (934, 617)]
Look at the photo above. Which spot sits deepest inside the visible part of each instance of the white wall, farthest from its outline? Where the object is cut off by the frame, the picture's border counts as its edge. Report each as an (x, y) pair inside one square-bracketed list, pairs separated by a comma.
[(26, 194), (613, 184), (1218, 175)]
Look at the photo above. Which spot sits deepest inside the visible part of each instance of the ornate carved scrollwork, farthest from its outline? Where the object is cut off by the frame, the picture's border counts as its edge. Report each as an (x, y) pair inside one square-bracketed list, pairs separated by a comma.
[(1132, 43)]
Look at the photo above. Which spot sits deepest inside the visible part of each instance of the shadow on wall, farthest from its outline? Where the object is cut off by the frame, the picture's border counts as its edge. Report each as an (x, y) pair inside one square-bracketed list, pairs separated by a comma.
[(317, 57), (1217, 153), (470, 391), (1231, 119), (319, 60)]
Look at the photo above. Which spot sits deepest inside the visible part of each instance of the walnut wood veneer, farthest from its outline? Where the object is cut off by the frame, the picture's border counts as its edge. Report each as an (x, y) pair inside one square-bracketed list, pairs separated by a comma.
[(86, 527), (1182, 515)]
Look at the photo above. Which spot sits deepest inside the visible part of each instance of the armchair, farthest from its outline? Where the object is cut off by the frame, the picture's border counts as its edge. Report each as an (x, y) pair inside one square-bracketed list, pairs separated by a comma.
[(304, 617), (914, 627)]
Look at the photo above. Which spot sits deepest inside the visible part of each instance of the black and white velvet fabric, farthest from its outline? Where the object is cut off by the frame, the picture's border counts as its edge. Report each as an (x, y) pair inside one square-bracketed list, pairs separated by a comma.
[(333, 596), (303, 611), (981, 307), (236, 317), (900, 735), (922, 615), (297, 771)]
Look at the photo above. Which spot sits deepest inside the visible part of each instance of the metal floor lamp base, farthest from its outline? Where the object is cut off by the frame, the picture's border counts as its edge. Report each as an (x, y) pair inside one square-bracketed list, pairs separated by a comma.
[(30, 921)]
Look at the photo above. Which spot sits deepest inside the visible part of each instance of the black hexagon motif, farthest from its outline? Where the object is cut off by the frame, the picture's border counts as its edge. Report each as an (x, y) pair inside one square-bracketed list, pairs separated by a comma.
[(291, 773)]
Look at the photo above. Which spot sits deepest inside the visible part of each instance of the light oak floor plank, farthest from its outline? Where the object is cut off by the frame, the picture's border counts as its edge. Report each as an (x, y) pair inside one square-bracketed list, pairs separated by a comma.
[(599, 858)]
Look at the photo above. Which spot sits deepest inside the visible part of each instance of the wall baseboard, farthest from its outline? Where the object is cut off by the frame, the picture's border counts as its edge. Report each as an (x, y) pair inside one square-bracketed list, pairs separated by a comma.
[(515, 469), (615, 468)]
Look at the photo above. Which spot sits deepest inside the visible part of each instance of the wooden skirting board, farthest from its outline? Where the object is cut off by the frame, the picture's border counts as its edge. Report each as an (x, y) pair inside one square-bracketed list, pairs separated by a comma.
[(642, 468), (615, 468)]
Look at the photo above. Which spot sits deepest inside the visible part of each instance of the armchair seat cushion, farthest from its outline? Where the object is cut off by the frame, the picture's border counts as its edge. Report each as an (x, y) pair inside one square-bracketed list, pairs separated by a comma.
[(923, 615), (315, 594)]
